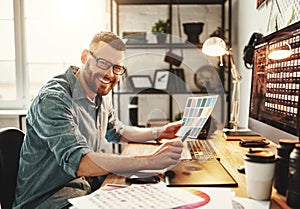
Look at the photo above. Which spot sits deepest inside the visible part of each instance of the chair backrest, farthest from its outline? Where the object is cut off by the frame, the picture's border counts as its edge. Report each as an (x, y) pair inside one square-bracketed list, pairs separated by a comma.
[(11, 140)]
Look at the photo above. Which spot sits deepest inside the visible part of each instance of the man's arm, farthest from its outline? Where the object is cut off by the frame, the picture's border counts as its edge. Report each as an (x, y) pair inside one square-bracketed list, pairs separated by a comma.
[(136, 134), (96, 164)]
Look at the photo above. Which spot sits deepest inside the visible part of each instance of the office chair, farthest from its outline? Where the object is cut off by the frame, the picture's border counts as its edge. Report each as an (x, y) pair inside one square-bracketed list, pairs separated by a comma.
[(11, 140)]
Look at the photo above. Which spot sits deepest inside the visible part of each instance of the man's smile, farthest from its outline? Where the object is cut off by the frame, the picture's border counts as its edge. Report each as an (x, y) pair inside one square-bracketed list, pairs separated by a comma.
[(104, 80)]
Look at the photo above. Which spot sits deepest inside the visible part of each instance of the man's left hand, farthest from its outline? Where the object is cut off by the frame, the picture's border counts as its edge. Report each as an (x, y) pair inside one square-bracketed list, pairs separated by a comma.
[(169, 131)]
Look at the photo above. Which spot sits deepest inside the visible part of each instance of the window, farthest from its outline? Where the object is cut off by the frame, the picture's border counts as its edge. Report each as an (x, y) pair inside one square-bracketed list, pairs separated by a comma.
[(8, 57), (41, 39)]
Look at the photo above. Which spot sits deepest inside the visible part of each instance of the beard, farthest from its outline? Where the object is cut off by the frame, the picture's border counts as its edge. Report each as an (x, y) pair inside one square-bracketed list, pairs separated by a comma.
[(93, 80)]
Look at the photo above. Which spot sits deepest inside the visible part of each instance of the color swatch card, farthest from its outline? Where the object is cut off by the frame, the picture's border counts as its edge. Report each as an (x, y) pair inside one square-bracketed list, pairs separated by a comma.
[(197, 111)]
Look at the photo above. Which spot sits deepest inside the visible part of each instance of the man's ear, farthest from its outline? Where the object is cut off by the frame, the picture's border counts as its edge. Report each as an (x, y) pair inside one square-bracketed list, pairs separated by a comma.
[(84, 55)]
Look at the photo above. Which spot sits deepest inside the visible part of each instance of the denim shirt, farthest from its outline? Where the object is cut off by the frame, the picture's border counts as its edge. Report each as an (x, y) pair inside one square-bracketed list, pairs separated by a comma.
[(62, 125)]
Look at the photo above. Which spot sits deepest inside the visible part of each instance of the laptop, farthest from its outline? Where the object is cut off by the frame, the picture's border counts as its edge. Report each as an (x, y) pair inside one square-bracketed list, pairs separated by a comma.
[(204, 169)]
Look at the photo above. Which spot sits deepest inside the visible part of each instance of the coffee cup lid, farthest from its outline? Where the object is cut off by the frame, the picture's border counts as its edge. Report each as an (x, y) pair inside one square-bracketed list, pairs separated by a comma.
[(261, 157), (288, 141)]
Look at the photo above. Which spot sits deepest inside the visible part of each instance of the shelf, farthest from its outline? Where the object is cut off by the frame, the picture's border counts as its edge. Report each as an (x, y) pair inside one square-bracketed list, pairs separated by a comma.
[(163, 46), (140, 2), (157, 91)]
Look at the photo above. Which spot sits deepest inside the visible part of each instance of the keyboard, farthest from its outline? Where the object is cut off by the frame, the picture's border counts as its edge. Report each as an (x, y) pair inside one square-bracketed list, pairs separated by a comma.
[(202, 149)]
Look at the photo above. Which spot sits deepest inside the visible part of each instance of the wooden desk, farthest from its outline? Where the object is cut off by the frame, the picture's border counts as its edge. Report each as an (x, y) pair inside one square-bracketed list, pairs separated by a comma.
[(231, 155)]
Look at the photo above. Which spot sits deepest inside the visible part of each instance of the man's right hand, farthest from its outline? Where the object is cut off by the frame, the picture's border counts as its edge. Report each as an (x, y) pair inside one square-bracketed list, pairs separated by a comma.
[(167, 155), (95, 164)]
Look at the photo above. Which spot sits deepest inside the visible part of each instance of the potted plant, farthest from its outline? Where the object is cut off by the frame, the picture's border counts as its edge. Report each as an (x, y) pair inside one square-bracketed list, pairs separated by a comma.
[(161, 28)]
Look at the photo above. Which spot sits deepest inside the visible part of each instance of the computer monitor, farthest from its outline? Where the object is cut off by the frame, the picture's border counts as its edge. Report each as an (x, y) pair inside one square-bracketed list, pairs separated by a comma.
[(275, 90)]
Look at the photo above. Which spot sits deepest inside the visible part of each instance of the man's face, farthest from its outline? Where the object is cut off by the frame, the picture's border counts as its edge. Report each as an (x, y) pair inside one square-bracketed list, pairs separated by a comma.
[(98, 79)]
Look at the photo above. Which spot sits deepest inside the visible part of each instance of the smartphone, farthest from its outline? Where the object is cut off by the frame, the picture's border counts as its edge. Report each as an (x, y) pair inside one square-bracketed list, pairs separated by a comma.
[(142, 180), (254, 142)]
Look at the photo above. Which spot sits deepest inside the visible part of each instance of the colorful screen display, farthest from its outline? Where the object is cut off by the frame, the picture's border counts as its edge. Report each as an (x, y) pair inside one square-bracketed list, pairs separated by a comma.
[(276, 83)]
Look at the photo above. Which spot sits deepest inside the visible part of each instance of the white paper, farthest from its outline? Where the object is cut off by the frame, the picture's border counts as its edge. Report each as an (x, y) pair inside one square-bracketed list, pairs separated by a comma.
[(248, 203), (156, 196)]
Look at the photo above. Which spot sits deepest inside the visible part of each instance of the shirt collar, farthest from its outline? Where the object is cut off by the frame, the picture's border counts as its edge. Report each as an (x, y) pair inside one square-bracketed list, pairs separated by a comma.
[(76, 89)]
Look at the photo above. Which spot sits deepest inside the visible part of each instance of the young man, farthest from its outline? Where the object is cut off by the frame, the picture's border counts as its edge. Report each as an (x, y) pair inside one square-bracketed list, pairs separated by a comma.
[(66, 125)]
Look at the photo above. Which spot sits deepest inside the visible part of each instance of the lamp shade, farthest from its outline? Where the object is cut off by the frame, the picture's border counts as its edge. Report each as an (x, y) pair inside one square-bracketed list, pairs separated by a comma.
[(214, 46), (280, 54)]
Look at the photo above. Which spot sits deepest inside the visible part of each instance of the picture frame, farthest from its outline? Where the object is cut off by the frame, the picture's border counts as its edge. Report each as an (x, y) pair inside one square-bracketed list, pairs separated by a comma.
[(140, 82), (161, 79)]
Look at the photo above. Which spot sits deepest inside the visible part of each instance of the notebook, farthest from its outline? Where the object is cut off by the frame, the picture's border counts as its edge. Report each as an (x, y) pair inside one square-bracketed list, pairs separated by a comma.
[(204, 169)]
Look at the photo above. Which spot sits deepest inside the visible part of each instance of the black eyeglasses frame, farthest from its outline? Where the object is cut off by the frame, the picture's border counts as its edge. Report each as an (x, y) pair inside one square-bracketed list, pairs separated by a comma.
[(117, 69)]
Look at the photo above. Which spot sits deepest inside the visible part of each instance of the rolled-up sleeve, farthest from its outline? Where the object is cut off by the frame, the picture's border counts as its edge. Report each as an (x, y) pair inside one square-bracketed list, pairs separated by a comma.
[(56, 126)]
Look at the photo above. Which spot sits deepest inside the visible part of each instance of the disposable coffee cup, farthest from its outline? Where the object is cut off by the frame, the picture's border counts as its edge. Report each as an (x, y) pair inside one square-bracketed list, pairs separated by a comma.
[(259, 170)]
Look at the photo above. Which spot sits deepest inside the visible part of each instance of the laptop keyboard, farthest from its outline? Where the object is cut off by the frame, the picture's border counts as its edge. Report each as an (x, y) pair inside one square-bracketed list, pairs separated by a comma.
[(202, 149)]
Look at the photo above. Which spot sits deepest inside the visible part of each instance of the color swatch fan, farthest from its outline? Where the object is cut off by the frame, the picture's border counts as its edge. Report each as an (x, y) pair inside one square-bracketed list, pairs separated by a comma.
[(197, 111)]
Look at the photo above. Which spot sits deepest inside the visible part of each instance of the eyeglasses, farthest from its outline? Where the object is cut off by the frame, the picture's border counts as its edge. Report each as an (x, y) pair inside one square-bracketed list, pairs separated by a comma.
[(105, 65)]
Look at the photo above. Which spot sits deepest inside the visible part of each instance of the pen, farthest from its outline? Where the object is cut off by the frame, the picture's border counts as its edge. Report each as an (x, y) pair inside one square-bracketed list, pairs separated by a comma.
[(183, 122), (182, 140), (185, 135), (116, 185)]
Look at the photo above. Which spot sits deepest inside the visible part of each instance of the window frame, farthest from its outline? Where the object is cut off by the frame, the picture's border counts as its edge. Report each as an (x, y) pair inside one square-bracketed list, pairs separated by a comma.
[(21, 101)]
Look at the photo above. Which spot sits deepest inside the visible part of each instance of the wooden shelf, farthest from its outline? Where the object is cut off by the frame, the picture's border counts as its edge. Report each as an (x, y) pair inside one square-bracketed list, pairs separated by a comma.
[(130, 2), (163, 46), (157, 91)]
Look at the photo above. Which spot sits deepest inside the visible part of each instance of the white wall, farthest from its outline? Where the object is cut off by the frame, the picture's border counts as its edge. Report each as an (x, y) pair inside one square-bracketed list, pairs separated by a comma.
[(247, 20)]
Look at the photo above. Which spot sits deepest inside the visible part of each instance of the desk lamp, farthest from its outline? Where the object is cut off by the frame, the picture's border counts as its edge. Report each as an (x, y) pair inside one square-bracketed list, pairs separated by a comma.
[(282, 52), (215, 46)]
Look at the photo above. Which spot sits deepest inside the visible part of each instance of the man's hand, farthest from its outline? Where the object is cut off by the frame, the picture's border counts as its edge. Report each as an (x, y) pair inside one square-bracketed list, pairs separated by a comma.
[(167, 155), (170, 130)]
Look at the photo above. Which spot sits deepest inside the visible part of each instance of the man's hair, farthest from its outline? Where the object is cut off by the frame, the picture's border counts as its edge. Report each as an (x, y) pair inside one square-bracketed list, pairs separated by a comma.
[(108, 37)]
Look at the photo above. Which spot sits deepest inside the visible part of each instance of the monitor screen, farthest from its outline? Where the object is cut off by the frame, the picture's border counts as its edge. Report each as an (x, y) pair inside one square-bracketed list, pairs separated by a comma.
[(276, 83)]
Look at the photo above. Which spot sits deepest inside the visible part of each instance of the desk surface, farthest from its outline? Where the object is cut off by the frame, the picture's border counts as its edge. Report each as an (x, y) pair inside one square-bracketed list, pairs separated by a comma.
[(231, 155)]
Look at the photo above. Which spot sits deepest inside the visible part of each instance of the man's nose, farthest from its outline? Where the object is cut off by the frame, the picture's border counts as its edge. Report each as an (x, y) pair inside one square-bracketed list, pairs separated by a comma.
[(110, 71)]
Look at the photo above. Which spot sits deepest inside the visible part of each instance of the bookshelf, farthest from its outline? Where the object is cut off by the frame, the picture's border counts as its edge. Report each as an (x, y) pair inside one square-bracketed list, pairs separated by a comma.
[(176, 90)]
